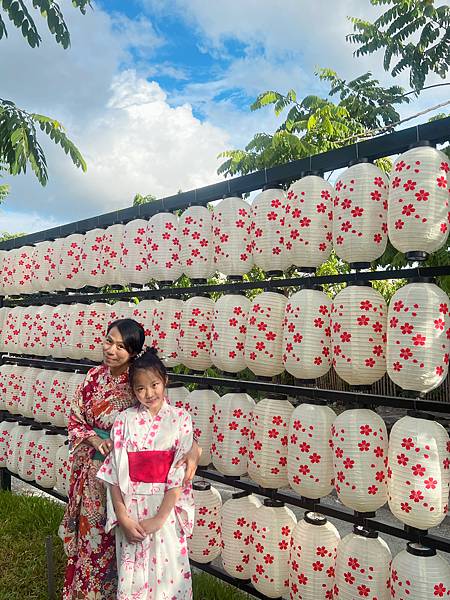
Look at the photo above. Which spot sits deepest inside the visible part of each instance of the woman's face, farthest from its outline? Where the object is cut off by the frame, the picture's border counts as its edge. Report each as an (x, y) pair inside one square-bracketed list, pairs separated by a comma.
[(115, 355)]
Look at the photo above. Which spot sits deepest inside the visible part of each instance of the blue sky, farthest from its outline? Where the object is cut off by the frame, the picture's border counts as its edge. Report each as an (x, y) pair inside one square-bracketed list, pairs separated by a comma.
[(152, 91)]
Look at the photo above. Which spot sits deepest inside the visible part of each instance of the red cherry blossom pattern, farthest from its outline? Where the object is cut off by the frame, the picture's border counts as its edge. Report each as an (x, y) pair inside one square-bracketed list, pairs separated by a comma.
[(268, 230), (232, 241), (360, 213), (195, 231), (164, 247)]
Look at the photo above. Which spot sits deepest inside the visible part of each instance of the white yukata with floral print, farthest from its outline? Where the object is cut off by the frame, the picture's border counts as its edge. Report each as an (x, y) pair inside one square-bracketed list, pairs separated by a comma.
[(157, 568)]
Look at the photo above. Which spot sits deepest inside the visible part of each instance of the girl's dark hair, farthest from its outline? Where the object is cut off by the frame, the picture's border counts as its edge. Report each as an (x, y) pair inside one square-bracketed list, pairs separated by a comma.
[(132, 332), (148, 360)]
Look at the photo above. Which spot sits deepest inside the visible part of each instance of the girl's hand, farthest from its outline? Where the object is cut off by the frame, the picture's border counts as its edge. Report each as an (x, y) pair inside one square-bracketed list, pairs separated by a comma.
[(133, 530), (151, 525), (191, 460), (102, 446)]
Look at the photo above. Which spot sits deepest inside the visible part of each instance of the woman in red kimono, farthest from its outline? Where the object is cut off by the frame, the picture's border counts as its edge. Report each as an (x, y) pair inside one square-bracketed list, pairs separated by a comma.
[(91, 572)]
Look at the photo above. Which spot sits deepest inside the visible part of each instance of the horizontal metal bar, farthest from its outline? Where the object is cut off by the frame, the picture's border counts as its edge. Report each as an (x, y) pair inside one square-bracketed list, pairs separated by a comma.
[(49, 491), (269, 284), (301, 392), (435, 132), (237, 583), (343, 514), (4, 414)]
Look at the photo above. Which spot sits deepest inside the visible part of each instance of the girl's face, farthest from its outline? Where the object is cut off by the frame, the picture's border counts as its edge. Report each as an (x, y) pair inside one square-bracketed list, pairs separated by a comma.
[(149, 389), (115, 355)]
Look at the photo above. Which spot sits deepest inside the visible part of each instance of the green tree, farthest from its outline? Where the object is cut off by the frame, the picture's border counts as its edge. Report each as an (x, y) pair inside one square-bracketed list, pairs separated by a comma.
[(314, 124), (19, 144), (140, 199), (414, 35), (5, 236)]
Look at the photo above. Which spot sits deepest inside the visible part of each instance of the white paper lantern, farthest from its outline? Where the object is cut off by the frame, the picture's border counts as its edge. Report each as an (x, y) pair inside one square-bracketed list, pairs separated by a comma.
[(228, 330), (360, 214), (358, 334), (25, 326), (26, 401), (269, 231), (111, 254), (56, 322), (418, 474), (272, 527), (264, 337), (15, 389), (135, 252), (205, 543), (307, 334), (73, 382), (3, 312), (312, 558), (237, 515), (37, 338), (310, 458), (75, 330), (45, 459), (419, 215), (143, 313), (231, 428), (72, 257), (26, 460), (309, 221), (6, 428), (41, 391), (177, 394), (15, 442), (4, 374), (232, 243), (362, 566), (360, 447), (200, 405), (46, 258), (11, 329), (164, 251), (120, 310), (268, 446), (195, 231), (166, 330), (10, 272), (418, 573), (195, 333), (24, 281), (418, 337), (62, 468), (94, 329), (92, 263), (57, 398)]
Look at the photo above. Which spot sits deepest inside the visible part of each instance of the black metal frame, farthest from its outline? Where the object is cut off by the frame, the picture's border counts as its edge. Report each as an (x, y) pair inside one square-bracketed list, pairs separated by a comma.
[(435, 132)]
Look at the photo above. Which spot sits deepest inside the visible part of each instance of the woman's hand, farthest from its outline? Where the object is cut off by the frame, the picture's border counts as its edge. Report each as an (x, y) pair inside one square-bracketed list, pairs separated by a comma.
[(134, 532), (101, 445), (151, 525), (190, 459)]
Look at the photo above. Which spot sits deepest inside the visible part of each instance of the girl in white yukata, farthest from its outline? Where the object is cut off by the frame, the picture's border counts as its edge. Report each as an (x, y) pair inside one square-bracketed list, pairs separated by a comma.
[(151, 513)]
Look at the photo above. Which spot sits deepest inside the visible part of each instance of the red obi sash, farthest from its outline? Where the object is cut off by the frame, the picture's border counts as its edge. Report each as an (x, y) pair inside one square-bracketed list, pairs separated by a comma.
[(150, 466)]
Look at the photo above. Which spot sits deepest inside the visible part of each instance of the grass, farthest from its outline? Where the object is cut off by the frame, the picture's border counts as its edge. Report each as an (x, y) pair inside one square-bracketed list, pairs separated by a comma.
[(25, 522)]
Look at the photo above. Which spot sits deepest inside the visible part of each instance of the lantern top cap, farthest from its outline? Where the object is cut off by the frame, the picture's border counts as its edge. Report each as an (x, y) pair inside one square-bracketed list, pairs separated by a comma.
[(201, 486), (238, 495), (314, 518), (421, 144), (367, 533), (231, 195), (419, 414), (272, 186), (418, 550), (273, 503), (358, 161), (36, 428), (51, 433), (274, 396)]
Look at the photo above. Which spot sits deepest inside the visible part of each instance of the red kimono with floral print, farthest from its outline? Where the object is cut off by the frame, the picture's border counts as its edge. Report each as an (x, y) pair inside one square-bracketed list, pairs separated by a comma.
[(91, 568)]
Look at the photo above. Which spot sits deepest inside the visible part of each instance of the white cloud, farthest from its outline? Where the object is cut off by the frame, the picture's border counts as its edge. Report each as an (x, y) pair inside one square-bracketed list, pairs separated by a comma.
[(131, 137)]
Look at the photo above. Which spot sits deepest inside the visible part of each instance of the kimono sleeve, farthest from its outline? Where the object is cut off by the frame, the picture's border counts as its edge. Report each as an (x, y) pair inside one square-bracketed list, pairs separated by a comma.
[(183, 445), (78, 428), (110, 471)]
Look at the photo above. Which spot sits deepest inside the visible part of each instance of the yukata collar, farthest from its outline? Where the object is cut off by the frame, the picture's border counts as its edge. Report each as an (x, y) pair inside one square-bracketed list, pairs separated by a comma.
[(163, 411), (122, 378)]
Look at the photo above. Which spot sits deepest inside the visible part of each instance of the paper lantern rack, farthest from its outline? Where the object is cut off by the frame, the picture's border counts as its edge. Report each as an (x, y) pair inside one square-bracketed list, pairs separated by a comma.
[(436, 132)]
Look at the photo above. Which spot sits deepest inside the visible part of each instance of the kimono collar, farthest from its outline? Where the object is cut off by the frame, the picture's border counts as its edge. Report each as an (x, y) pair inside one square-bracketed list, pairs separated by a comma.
[(163, 411), (122, 378)]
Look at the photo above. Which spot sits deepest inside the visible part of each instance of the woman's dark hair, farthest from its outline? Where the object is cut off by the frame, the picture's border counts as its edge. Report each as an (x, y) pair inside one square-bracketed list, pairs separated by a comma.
[(148, 360), (133, 334)]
